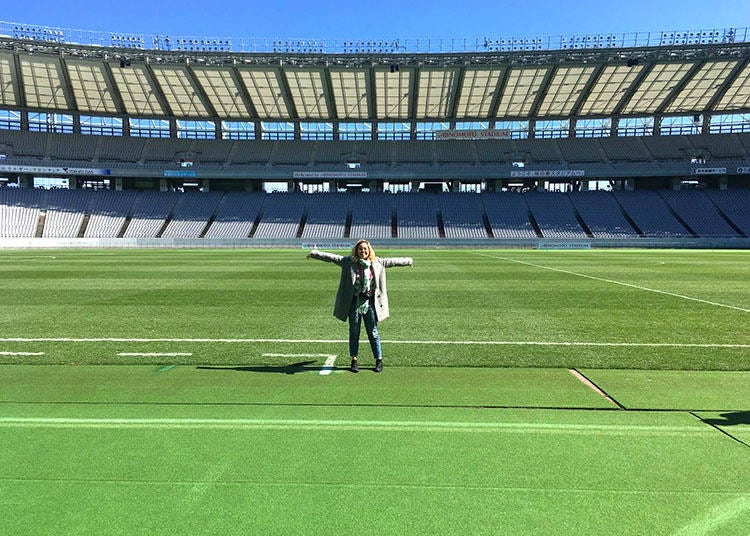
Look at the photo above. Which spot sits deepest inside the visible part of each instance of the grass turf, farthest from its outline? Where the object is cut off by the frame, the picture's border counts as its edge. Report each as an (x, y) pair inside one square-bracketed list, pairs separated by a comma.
[(629, 309), (222, 452)]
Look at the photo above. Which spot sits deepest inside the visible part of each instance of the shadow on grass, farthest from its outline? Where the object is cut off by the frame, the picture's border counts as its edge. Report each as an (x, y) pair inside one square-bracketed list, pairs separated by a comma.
[(291, 368), (731, 418)]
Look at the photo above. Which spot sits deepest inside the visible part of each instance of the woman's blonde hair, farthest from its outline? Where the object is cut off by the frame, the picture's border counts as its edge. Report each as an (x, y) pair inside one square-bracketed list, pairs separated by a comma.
[(356, 245)]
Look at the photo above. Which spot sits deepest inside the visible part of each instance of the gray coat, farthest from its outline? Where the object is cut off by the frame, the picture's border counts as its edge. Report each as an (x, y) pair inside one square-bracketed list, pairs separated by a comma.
[(345, 293)]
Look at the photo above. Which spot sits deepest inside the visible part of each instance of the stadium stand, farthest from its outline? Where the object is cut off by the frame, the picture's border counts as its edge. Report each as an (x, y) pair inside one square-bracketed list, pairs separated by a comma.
[(719, 146), (625, 149), (416, 215), (666, 148), (65, 212), (651, 214), (326, 215), (149, 214), (555, 215), (19, 212), (282, 216), (602, 214), (540, 151), (462, 215), (695, 208), (371, 215), (236, 214), (735, 204), (508, 215), (124, 149), (191, 214), (108, 211)]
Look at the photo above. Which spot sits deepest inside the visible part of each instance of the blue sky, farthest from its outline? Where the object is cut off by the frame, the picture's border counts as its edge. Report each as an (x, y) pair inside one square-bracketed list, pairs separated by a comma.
[(361, 19)]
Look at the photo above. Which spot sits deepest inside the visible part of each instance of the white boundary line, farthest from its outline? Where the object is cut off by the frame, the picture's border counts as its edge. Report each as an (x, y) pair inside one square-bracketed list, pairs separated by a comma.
[(21, 353), (327, 367), (560, 270), (154, 354), (317, 424), (426, 342)]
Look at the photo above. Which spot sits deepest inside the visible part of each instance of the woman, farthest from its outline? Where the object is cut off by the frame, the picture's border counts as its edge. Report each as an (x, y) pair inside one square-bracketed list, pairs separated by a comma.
[(362, 295)]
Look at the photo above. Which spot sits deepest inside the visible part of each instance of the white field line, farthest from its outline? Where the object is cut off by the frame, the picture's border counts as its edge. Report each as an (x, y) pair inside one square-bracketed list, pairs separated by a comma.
[(614, 282), (423, 342), (327, 367), (21, 353), (154, 354), (319, 424)]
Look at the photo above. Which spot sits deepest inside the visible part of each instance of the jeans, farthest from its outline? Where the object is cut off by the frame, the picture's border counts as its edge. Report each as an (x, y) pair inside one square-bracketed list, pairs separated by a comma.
[(371, 326)]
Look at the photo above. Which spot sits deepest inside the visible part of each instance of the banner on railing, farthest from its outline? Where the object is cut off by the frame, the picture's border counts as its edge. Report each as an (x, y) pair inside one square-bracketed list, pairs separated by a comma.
[(329, 175), (547, 173), (54, 170)]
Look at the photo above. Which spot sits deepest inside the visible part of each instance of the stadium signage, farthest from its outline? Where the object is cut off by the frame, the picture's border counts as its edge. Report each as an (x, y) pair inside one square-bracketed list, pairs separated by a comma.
[(329, 175), (743, 171), (710, 171), (541, 173), (178, 173), (52, 170), (486, 134)]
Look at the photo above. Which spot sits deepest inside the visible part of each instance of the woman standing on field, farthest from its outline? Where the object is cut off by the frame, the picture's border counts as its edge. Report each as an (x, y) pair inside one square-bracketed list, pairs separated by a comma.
[(362, 294)]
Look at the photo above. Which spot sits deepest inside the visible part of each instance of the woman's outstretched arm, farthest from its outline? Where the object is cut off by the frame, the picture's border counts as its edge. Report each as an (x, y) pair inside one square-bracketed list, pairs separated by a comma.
[(327, 257), (387, 262)]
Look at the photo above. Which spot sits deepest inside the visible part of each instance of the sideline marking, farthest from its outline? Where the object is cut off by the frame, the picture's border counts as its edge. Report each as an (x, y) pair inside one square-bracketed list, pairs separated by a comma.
[(154, 354), (591, 385), (560, 270), (327, 367), (21, 353), (322, 424), (716, 517), (340, 341)]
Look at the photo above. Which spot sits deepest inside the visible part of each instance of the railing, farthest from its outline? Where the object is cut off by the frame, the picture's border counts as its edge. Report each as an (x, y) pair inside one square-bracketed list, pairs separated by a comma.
[(171, 42)]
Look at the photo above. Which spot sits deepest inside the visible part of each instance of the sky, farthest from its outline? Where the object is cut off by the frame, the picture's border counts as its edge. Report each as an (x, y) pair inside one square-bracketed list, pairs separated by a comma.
[(383, 19)]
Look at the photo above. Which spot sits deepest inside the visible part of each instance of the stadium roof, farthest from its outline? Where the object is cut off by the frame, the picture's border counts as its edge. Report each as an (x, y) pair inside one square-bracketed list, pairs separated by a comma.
[(588, 79)]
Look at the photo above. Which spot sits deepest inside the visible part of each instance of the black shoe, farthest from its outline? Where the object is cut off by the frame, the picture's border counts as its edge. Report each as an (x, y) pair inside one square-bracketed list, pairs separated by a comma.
[(378, 365), (354, 367)]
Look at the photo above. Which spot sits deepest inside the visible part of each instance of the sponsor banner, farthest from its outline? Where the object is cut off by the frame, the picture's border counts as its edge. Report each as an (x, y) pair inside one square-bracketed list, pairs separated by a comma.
[(487, 134), (178, 173), (710, 171), (743, 171), (329, 175), (327, 245), (564, 245), (53, 170), (542, 173)]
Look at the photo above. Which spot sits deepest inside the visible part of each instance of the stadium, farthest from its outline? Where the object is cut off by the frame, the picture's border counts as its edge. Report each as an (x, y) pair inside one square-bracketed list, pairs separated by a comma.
[(637, 137), (568, 353)]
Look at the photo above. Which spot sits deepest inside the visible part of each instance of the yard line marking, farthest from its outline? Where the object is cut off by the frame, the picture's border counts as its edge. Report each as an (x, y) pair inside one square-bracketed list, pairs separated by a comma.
[(715, 518), (21, 353), (154, 354), (320, 424), (341, 341), (327, 367), (631, 285)]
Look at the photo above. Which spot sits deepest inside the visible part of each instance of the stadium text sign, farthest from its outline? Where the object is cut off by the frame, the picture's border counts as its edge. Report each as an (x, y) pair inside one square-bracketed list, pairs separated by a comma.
[(710, 171), (743, 170), (542, 173), (52, 170), (487, 134), (329, 175)]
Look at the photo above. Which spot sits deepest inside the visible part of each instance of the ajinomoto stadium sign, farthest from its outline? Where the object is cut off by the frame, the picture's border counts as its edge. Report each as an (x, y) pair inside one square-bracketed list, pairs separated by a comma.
[(485, 134)]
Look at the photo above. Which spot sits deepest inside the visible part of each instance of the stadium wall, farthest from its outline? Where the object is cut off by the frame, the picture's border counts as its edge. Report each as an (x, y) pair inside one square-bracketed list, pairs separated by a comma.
[(447, 243)]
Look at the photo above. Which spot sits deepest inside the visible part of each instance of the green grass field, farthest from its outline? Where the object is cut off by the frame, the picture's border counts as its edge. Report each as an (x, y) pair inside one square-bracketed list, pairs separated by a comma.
[(525, 392), (605, 309)]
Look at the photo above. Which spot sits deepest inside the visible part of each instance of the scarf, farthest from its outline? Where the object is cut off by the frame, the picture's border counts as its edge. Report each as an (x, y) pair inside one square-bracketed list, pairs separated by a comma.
[(364, 284)]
